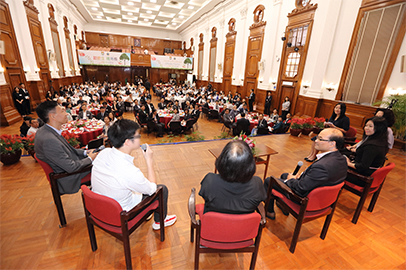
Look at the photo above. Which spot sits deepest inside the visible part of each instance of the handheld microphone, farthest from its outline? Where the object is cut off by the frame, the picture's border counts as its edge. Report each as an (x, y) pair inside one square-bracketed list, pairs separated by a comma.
[(100, 148), (299, 164)]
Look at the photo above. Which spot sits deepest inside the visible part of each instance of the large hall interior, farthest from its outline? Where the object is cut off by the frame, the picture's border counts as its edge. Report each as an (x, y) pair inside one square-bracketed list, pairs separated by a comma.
[(314, 53)]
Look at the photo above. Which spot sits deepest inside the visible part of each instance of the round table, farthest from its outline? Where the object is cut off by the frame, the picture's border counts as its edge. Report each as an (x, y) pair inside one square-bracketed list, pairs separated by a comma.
[(86, 133)]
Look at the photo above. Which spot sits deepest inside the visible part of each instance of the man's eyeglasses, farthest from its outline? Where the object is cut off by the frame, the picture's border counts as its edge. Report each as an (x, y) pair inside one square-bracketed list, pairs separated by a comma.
[(321, 139)]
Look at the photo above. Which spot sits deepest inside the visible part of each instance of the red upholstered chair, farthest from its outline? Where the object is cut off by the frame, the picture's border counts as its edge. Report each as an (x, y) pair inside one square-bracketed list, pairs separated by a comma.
[(319, 202), (107, 214), (373, 185), (350, 136), (52, 179), (225, 233)]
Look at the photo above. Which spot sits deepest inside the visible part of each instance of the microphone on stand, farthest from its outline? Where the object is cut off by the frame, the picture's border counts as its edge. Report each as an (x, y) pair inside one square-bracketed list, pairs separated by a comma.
[(299, 164)]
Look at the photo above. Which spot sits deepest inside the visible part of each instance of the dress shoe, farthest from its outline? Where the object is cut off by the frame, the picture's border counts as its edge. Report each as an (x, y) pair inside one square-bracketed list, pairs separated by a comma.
[(309, 160), (270, 215)]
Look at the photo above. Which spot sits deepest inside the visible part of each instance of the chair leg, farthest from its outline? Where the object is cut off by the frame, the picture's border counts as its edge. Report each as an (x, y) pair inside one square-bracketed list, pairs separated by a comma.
[(296, 233), (127, 250), (359, 207), (58, 204), (197, 246), (374, 199), (92, 235), (255, 253), (161, 216), (326, 226)]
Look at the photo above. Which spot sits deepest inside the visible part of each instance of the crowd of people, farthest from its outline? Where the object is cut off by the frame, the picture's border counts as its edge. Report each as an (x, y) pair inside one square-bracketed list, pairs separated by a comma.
[(235, 189)]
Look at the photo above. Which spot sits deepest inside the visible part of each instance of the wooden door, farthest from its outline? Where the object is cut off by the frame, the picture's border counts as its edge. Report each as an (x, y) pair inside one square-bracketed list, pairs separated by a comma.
[(229, 56), (254, 51)]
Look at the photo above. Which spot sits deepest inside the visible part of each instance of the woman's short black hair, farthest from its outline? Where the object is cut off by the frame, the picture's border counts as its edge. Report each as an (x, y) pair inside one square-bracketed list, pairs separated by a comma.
[(122, 130), (44, 109), (388, 115), (236, 162), (380, 128), (343, 108)]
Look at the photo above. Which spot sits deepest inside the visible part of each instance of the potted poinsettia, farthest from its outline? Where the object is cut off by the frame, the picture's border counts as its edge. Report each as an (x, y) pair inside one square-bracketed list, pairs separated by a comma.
[(10, 149), (296, 126), (307, 126), (29, 144), (318, 124)]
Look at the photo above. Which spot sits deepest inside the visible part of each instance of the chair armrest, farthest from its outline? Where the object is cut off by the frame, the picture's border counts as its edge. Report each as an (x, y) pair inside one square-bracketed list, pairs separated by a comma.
[(287, 191), (261, 211), (366, 179), (142, 205), (64, 174), (192, 206)]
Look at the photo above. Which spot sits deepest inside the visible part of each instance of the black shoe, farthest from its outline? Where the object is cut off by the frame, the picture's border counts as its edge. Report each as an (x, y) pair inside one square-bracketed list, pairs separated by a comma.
[(270, 215), (309, 160), (283, 211)]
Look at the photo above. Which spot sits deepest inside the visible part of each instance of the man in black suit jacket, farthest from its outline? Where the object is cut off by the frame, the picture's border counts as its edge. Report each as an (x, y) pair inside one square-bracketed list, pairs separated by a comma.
[(161, 105), (242, 125), (330, 168), (102, 113), (251, 100), (149, 107), (26, 102), (142, 115)]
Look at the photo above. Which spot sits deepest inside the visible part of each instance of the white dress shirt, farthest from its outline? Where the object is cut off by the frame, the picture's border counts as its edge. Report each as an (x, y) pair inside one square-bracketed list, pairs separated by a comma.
[(114, 175)]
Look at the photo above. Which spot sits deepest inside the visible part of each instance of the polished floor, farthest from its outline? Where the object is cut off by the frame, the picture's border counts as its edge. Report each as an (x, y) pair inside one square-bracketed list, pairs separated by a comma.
[(31, 238)]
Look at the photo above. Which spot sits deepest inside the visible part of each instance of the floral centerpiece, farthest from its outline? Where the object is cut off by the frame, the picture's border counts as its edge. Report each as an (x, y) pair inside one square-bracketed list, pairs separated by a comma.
[(71, 138), (255, 116), (80, 123), (248, 140), (10, 148)]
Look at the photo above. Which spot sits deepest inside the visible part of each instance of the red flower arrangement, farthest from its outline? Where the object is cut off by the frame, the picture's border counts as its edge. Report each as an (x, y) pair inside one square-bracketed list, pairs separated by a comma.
[(319, 122), (71, 138), (308, 123), (29, 142), (10, 143), (297, 123)]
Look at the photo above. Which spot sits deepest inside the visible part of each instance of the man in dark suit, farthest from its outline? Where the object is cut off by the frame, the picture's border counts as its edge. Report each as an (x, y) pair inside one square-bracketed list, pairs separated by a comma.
[(149, 107), (142, 115), (53, 149), (84, 113), (242, 125), (26, 102), (330, 168), (251, 100), (102, 113), (161, 105)]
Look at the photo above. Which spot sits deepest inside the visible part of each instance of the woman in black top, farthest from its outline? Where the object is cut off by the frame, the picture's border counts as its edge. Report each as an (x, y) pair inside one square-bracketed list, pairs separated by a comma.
[(235, 190), (18, 99), (338, 120), (371, 151)]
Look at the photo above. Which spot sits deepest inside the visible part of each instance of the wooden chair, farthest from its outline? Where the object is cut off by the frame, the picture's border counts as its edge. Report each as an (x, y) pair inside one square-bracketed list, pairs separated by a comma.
[(225, 233), (319, 202), (107, 214), (373, 185), (52, 179)]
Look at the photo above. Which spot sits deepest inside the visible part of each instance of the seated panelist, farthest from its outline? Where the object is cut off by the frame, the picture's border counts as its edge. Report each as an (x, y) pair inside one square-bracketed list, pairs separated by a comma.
[(235, 190)]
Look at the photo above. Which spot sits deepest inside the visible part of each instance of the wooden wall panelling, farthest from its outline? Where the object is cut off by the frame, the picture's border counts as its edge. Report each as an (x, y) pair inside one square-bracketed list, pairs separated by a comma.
[(92, 39), (260, 99), (254, 51), (299, 17), (228, 64), (104, 41), (306, 106), (142, 60), (12, 64), (55, 39), (40, 51)]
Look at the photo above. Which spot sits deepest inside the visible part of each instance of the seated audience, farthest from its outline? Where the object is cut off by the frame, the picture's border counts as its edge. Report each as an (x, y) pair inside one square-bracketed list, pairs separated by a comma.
[(329, 170), (115, 175), (279, 126), (53, 149), (34, 127), (25, 126), (242, 125), (102, 113), (84, 113), (142, 115), (235, 190), (371, 151), (262, 123), (274, 116)]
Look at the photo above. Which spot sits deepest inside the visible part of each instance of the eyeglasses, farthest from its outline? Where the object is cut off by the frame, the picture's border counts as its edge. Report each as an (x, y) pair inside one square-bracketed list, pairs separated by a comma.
[(321, 139)]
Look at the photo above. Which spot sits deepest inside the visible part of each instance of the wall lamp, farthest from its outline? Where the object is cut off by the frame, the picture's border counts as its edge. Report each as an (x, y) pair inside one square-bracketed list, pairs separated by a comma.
[(330, 87)]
